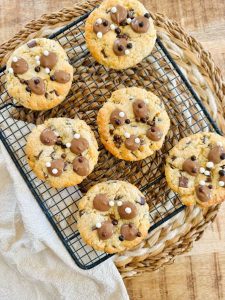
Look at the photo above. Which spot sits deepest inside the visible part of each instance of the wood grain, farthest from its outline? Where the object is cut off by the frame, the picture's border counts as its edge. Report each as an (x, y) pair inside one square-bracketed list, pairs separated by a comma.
[(199, 274)]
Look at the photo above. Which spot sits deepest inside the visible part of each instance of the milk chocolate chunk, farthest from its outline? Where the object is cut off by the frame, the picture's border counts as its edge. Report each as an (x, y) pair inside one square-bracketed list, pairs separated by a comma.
[(56, 167), (127, 210), (61, 76), (140, 109), (79, 145), (49, 61), (120, 15), (81, 166), (20, 66), (101, 202), (105, 231), (129, 232), (48, 137), (203, 193), (104, 27), (191, 166), (216, 154), (120, 46), (154, 133), (132, 143), (140, 24), (36, 86), (117, 117), (183, 182)]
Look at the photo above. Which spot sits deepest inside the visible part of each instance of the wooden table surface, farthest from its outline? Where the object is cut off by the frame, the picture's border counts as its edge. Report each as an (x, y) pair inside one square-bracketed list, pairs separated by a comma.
[(199, 274)]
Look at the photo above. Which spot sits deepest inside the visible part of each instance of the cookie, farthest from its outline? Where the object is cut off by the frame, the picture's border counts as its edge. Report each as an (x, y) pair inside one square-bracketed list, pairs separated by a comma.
[(113, 216), (120, 33), (133, 124), (195, 169), (39, 75), (62, 151)]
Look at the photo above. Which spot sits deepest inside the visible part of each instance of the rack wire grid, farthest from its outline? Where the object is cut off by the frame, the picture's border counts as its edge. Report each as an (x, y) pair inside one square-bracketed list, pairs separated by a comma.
[(92, 85)]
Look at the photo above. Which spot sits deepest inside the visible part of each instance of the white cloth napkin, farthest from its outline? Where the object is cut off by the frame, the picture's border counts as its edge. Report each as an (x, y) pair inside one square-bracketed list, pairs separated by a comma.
[(33, 262)]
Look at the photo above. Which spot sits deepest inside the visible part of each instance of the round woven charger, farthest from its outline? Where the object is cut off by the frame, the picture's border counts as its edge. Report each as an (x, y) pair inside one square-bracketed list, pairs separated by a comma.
[(178, 234)]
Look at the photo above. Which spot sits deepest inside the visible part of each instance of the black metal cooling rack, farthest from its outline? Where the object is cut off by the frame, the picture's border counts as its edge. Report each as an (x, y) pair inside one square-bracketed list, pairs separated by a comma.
[(92, 85)]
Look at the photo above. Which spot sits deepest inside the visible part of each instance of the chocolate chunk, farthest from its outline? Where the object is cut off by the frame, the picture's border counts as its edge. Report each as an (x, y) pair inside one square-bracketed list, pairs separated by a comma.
[(183, 182), (120, 15), (129, 231), (48, 137), (61, 76), (49, 61), (116, 119), (101, 202), (127, 210), (78, 146), (140, 24), (20, 66), (119, 46), (56, 167), (81, 166), (191, 167), (216, 154), (37, 85), (105, 231), (131, 143), (140, 109), (154, 133), (104, 27), (32, 44), (203, 193)]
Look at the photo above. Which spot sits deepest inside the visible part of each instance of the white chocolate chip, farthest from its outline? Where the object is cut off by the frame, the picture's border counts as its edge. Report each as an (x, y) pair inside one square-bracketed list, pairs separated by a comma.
[(202, 182), (99, 21), (76, 136), (98, 225), (121, 114), (207, 173), (37, 57), (99, 35), (48, 164), (137, 141), (54, 171), (15, 59), (127, 52), (113, 10), (202, 170), (46, 53), (56, 133), (219, 144), (38, 62), (221, 183), (68, 145), (119, 203), (111, 203), (127, 135), (11, 70), (112, 27), (210, 164), (128, 20), (146, 101), (47, 70), (128, 210)]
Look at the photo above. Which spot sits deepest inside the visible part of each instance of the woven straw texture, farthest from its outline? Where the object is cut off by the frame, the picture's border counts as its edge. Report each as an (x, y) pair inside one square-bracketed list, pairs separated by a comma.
[(177, 235)]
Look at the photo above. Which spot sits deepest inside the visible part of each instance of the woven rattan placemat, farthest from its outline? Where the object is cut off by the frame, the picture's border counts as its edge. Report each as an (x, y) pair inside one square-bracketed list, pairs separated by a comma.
[(178, 234)]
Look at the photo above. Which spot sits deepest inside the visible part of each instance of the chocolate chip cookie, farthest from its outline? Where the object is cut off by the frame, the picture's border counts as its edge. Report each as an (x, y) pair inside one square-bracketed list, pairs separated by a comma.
[(120, 33), (39, 75), (113, 216), (62, 151), (195, 169), (133, 124)]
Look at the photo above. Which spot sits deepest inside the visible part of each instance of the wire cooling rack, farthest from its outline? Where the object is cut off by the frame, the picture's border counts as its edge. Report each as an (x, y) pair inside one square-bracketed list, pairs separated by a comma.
[(91, 87)]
